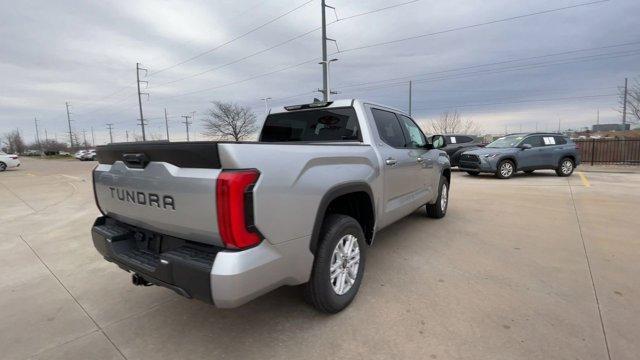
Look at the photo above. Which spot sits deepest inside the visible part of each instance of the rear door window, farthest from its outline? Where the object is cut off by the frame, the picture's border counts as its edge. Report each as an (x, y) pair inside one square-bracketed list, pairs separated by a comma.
[(534, 141), (336, 124), (388, 128), (465, 139)]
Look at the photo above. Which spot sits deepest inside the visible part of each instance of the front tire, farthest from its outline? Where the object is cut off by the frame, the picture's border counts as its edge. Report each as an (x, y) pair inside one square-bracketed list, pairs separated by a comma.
[(3, 166), (338, 266), (566, 167), (438, 209), (506, 169)]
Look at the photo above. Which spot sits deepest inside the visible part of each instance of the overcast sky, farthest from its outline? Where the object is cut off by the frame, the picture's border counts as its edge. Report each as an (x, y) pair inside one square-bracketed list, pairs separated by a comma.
[(85, 53)]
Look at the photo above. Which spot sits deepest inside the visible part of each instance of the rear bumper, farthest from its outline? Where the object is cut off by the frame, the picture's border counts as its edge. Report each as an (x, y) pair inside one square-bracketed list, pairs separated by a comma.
[(213, 275)]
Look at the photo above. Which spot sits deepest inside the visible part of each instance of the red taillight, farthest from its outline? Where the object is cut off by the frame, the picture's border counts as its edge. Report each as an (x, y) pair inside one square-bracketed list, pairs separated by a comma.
[(14, 157), (235, 207)]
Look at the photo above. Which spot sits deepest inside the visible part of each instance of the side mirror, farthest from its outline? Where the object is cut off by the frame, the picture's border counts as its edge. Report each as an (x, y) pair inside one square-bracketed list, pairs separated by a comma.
[(525, 146), (437, 141)]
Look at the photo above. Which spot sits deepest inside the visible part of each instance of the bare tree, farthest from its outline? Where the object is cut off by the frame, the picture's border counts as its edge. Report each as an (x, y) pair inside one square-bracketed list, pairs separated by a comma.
[(633, 101), (13, 142), (452, 122), (229, 121)]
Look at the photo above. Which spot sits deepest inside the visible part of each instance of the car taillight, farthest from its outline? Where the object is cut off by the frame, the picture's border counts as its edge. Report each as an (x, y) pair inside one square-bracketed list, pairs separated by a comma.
[(14, 157), (234, 196)]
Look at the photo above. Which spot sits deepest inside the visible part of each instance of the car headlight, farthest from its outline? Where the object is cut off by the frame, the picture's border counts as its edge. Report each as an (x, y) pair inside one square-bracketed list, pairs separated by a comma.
[(490, 155)]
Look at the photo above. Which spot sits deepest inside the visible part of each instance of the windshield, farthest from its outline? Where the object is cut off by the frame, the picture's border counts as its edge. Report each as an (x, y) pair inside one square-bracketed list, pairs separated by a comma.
[(506, 142), (334, 124)]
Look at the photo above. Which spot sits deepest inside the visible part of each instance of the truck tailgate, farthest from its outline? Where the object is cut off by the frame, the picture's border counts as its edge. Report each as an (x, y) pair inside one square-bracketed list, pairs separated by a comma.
[(168, 188)]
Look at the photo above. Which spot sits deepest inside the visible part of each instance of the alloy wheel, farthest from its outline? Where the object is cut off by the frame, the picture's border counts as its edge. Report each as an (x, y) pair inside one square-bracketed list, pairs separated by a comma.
[(345, 262)]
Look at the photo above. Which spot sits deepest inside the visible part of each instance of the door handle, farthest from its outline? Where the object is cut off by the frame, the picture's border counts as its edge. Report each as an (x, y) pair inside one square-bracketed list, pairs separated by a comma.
[(419, 159), (391, 161)]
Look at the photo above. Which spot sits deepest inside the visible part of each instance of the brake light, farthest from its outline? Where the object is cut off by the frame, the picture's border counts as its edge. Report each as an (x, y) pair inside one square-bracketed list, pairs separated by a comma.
[(234, 195), (14, 157)]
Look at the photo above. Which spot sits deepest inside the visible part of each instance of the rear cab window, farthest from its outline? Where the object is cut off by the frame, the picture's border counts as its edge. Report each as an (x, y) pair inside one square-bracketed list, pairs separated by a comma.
[(389, 128), (328, 124)]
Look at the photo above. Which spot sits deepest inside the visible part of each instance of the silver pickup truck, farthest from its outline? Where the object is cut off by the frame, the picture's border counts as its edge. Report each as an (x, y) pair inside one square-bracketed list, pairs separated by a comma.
[(225, 222)]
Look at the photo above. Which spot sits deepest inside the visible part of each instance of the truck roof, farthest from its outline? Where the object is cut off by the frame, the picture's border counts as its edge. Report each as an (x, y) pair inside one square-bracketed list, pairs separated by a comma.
[(338, 103)]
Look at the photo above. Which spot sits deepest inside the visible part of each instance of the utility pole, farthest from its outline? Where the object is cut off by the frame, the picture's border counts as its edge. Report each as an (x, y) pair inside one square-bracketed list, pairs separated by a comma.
[(46, 136), (266, 104), (166, 123), (536, 126), (110, 127), (126, 133), (186, 122), (624, 103), (325, 64), (69, 121), (93, 138), (138, 68), (410, 101), (84, 137), (35, 121), (559, 122)]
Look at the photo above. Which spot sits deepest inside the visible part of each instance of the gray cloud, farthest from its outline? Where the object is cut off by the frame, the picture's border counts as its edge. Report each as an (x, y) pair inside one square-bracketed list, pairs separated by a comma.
[(83, 52)]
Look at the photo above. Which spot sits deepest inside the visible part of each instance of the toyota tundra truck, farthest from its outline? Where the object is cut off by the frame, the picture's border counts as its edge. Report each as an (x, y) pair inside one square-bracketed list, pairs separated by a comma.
[(225, 222)]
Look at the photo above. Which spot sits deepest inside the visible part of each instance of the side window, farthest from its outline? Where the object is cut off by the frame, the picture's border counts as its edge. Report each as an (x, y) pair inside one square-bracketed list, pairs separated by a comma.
[(388, 128), (465, 139), (414, 136), (534, 141), (560, 140)]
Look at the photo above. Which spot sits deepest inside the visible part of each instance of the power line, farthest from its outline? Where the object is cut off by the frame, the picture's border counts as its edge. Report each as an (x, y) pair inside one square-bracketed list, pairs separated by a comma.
[(474, 25), (232, 62), (231, 40), (494, 63), (390, 42), (586, 97)]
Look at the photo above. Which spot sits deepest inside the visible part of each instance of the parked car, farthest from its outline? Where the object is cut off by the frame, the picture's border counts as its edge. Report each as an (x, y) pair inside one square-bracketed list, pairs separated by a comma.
[(225, 222), (89, 155), (33, 152), (79, 153), (523, 152), (8, 161), (457, 144)]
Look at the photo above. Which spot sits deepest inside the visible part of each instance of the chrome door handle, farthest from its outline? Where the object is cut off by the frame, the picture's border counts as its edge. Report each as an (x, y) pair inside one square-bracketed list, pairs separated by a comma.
[(419, 159), (391, 161)]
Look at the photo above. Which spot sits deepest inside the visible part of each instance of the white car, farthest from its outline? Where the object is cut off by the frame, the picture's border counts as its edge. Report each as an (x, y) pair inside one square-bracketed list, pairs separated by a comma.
[(8, 161), (78, 155)]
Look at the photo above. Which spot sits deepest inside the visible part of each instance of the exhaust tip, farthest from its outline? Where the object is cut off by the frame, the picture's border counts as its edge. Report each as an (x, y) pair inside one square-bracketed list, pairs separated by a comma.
[(138, 280)]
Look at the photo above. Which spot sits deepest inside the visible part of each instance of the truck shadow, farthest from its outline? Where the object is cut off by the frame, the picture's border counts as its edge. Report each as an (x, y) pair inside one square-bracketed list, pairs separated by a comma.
[(280, 321)]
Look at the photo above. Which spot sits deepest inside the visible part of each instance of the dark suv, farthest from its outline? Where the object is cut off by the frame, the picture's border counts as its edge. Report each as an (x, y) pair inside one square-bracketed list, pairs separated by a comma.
[(523, 152), (456, 144)]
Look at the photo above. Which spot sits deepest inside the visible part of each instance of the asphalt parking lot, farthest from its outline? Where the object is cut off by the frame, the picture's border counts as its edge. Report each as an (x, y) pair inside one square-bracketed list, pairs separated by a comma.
[(535, 267)]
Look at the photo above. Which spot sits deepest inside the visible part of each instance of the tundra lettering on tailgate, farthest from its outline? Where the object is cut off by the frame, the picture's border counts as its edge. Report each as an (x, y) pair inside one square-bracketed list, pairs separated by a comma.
[(142, 198)]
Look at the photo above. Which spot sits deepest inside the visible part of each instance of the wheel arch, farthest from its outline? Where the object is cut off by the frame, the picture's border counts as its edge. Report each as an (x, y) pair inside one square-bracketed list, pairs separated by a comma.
[(354, 199)]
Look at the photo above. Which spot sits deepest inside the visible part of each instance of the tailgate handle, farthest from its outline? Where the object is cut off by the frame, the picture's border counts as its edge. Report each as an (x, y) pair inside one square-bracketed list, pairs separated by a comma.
[(138, 161)]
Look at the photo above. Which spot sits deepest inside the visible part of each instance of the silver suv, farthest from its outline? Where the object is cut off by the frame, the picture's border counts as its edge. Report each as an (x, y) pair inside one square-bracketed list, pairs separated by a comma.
[(523, 152)]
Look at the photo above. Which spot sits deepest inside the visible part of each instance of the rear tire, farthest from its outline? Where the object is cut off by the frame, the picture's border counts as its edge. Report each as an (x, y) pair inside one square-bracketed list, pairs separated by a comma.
[(338, 266), (439, 209), (566, 167), (3, 166), (506, 169), (473, 173)]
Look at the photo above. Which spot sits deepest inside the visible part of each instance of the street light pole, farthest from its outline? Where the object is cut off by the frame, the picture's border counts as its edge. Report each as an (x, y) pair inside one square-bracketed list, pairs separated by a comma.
[(266, 104)]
